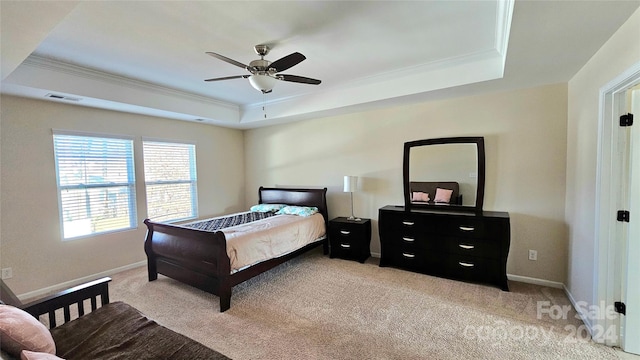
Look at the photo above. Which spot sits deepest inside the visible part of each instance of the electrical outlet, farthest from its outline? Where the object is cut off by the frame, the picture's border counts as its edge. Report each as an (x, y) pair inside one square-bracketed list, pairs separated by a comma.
[(533, 255), (7, 273)]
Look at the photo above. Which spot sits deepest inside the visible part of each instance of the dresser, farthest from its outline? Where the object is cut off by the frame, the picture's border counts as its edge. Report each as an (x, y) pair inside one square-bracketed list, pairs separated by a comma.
[(350, 239), (469, 246)]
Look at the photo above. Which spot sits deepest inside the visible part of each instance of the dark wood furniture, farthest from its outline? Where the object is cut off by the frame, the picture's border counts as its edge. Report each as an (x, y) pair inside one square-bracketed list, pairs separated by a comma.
[(113, 330), (65, 300), (199, 258), (350, 239), (413, 151), (471, 246)]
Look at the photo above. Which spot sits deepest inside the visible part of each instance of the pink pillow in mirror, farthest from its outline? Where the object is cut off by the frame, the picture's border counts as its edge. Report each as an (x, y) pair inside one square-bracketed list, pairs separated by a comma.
[(443, 195), (420, 196)]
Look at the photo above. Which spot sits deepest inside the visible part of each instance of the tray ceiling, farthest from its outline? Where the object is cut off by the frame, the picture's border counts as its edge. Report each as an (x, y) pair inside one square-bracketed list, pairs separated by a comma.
[(149, 57)]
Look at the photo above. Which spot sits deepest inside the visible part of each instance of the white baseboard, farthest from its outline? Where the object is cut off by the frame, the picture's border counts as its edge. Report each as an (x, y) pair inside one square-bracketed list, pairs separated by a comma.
[(536, 281), (75, 282), (581, 311)]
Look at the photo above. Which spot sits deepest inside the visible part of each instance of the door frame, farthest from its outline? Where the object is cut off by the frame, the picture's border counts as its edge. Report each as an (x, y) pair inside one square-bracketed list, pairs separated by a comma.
[(607, 268)]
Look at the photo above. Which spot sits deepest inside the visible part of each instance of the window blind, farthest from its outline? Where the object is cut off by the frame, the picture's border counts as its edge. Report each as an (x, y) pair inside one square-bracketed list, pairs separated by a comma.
[(96, 184), (171, 180)]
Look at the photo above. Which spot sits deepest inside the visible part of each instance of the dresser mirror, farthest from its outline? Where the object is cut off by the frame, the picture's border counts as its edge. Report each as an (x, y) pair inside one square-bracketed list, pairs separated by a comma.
[(444, 173)]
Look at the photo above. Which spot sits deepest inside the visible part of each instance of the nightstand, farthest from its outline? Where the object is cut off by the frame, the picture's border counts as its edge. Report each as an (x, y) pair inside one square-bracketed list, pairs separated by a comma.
[(350, 239)]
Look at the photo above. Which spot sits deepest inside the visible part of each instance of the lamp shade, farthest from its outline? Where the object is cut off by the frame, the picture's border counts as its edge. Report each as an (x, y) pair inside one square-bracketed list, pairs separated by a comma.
[(350, 183), (262, 82)]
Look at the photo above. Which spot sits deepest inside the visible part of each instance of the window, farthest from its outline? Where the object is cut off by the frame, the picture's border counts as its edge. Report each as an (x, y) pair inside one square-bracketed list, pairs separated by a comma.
[(170, 178), (96, 184)]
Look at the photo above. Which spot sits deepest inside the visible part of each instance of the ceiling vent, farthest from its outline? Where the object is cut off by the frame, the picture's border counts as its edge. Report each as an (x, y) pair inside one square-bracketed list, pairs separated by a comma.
[(62, 97)]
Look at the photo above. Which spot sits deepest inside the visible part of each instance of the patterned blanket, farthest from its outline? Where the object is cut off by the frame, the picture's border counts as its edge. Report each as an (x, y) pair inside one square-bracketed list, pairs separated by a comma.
[(228, 221)]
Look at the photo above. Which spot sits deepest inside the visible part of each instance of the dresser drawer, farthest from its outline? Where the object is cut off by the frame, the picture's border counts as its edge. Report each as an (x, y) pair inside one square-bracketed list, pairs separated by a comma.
[(416, 259), (488, 248), (463, 227), (412, 239), (473, 268), (406, 222)]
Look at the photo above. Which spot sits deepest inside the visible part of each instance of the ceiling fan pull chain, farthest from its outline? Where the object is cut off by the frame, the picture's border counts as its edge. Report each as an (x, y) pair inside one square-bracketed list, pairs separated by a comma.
[(264, 102)]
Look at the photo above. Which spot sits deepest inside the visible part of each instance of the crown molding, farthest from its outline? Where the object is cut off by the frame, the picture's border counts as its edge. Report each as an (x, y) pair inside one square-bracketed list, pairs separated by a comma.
[(96, 75)]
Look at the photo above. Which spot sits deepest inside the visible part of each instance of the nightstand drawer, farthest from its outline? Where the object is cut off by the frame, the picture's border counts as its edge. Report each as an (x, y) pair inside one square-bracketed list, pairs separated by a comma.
[(347, 233)]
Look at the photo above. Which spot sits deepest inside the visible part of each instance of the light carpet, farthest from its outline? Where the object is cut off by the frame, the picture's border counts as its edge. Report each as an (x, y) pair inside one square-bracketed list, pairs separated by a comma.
[(313, 307)]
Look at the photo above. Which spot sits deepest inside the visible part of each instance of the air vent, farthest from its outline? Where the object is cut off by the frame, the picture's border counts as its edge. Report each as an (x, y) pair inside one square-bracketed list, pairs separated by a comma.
[(62, 97)]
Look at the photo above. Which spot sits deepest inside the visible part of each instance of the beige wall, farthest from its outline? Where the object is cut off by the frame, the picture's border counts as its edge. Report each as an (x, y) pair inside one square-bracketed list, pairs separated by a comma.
[(30, 240), (618, 54), (525, 134)]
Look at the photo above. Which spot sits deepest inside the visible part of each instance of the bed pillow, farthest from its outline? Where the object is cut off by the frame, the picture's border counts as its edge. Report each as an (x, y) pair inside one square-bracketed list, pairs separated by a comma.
[(267, 207), (298, 210), (21, 331), (443, 195), (420, 196), (33, 355)]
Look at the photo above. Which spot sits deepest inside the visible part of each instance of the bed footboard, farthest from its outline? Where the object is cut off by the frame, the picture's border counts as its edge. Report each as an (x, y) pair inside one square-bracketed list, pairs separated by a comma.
[(195, 257)]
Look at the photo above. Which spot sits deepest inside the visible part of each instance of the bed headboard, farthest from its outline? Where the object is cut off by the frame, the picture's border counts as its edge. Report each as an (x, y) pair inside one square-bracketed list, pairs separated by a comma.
[(295, 196)]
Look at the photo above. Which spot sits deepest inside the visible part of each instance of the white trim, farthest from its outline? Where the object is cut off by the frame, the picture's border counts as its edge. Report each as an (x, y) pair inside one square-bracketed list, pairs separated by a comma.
[(78, 281), (165, 140), (586, 319), (37, 61), (605, 244), (55, 131), (535, 281)]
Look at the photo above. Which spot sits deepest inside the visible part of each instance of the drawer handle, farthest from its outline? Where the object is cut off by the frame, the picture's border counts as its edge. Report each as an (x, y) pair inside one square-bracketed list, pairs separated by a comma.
[(344, 232), (469, 265), (408, 223), (467, 228), (408, 239), (346, 246), (407, 255), (466, 247)]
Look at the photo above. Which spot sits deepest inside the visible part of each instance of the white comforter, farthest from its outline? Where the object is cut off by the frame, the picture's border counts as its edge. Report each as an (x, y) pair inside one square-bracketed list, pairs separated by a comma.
[(265, 239)]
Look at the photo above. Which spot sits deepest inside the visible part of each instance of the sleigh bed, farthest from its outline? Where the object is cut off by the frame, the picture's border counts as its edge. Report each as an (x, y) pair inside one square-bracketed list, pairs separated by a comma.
[(201, 258)]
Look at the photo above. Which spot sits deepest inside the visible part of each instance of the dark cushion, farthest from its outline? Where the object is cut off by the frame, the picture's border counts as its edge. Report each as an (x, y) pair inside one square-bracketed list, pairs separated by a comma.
[(119, 331)]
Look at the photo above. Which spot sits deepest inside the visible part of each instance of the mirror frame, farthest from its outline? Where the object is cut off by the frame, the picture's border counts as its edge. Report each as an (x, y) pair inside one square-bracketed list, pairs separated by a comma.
[(478, 141)]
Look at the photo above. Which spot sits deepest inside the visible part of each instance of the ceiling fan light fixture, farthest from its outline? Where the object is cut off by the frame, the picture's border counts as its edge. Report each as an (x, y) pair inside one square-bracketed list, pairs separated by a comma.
[(262, 82)]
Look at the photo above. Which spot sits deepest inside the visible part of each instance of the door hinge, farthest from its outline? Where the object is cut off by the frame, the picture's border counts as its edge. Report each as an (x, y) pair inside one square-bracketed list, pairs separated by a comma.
[(626, 120), (623, 215), (620, 307)]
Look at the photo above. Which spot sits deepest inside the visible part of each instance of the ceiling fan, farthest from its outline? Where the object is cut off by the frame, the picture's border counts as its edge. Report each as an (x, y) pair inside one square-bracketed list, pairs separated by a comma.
[(264, 73)]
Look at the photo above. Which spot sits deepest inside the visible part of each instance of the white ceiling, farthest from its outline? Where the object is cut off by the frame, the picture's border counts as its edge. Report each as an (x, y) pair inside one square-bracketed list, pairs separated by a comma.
[(149, 57)]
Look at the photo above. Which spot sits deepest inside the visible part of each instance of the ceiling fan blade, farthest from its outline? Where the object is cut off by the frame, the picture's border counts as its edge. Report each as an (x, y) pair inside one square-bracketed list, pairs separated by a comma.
[(229, 78), (230, 61), (298, 79), (287, 61)]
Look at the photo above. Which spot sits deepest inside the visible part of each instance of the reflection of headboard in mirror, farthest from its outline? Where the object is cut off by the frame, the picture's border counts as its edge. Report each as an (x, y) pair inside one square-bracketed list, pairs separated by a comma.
[(458, 162)]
